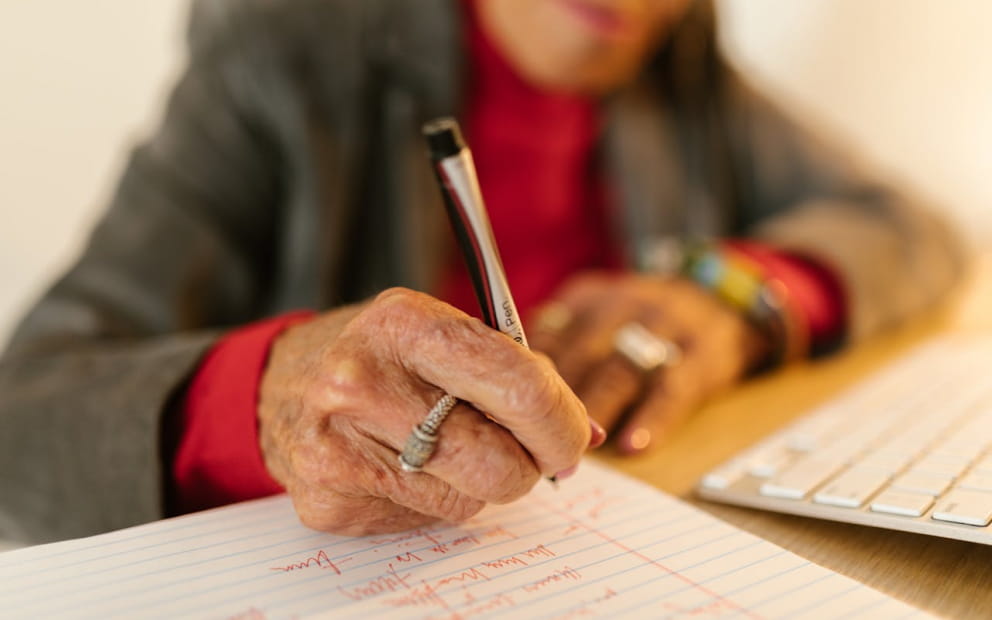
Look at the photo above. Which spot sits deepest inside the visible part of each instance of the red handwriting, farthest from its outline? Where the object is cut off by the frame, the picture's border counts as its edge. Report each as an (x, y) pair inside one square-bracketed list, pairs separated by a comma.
[(410, 556), (585, 608), (540, 551), (582, 497), (252, 613), (602, 505), (320, 560), (389, 582), (517, 560), (408, 536), (472, 574), (562, 574), (710, 608), (464, 540), (498, 530), (424, 595), (503, 562)]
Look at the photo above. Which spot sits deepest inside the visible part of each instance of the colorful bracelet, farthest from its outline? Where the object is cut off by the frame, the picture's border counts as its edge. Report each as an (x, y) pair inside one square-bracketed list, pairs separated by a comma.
[(743, 285)]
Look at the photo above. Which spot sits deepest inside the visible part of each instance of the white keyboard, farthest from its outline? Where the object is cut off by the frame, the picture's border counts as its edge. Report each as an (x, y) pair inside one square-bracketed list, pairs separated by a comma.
[(908, 449)]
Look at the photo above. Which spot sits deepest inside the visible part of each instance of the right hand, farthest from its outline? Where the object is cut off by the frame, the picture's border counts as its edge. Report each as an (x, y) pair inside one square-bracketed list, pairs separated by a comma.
[(342, 392)]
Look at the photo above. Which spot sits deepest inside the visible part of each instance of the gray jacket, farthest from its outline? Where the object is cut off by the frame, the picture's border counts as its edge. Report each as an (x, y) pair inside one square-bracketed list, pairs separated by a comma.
[(289, 172)]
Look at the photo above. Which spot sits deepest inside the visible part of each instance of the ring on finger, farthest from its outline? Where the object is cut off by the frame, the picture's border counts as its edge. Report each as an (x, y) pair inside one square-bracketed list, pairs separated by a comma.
[(646, 351), (554, 318), (422, 442)]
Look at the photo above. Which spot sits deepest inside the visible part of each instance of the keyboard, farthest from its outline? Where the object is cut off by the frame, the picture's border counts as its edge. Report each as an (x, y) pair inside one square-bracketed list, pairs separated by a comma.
[(910, 449)]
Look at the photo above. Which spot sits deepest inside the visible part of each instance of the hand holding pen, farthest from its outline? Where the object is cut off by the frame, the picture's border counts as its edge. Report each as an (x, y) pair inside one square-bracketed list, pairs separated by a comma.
[(342, 391), (469, 219), (456, 175)]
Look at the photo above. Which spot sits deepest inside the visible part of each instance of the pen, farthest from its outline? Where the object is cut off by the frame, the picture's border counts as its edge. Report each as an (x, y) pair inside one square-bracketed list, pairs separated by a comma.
[(467, 213)]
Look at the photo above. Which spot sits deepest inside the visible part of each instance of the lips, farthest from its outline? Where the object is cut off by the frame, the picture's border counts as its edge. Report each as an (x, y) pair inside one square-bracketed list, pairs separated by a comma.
[(601, 19)]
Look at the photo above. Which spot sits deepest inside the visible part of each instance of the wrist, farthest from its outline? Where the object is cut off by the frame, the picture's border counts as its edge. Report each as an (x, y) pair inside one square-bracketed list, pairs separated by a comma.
[(218, 459), (743, 284)]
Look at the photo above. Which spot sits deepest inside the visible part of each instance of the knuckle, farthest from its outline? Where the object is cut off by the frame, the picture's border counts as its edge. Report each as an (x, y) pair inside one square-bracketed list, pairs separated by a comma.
[(338, 384), (397, 295), (398, 305)]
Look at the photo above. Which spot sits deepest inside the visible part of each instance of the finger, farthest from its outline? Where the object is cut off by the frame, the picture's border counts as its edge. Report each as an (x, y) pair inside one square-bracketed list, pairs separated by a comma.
[(516, 388), (610, 389), (473, 454), (669, 400), (481, 459), (333, 485), (555, 322), (549, 327), (591, 341)]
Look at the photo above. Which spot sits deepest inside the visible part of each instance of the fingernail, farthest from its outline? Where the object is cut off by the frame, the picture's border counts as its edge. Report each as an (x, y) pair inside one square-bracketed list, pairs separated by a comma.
[(598, 435), (567, 473), (637, 441)]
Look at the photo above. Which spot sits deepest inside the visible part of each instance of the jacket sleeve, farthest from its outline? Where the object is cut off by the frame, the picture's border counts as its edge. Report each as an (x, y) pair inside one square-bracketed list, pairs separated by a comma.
[(892, 256), (182, 252)]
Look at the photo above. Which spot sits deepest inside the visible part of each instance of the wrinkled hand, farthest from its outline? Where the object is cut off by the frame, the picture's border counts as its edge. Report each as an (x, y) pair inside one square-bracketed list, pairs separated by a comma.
[(341, 394), (718, 347)]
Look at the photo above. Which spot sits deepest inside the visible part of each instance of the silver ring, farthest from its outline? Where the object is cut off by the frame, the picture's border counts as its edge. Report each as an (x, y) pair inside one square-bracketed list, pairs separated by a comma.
[(421, 443), (646, 351)]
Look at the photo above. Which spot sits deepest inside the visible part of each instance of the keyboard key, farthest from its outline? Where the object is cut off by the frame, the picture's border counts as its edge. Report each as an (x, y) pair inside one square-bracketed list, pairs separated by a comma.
[(919, 482), (796, 483), (852, 488), (885, 461), (965, 448), (723, 477), (768, 464), (905, 445), (967, 507), (984, 465), (976, 481), (940, 467), (901, 503), (914, 441)]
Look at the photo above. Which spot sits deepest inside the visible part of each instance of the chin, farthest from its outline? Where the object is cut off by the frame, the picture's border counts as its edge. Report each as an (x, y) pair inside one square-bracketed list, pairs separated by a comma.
[(596, 75)]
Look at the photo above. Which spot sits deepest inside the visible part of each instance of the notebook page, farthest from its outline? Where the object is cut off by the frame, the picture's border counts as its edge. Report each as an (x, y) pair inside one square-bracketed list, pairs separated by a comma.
[(603, 545)]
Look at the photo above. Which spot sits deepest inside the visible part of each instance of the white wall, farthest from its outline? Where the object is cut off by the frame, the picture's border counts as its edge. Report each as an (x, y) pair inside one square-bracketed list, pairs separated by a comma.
[(909, 82), (79, 83)]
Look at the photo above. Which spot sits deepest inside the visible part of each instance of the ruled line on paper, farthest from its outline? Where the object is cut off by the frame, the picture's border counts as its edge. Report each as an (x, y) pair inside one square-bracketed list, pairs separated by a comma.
[(440, 559), (136, 533), (636, 553), (603, 544)]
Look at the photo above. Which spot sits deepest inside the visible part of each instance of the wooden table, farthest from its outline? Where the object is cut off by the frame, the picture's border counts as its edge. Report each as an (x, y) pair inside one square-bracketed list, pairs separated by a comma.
[(947, 577)]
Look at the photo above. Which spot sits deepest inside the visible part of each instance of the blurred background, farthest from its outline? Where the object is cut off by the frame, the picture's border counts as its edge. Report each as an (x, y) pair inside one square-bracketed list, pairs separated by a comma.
[(907, 84)]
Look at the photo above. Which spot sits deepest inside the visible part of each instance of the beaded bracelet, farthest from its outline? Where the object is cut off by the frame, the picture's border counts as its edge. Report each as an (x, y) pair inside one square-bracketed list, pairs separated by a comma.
[(743, 285)]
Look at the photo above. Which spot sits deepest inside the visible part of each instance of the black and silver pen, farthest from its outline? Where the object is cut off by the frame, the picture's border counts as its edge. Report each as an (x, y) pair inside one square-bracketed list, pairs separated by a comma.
[(470, 221), (466, 209)]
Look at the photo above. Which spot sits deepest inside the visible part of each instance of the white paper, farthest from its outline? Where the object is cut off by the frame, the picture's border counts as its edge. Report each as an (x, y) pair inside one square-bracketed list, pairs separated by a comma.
[(601, 545)]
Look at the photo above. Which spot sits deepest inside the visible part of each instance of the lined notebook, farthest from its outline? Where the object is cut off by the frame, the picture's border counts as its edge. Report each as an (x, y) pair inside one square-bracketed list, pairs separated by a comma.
[(601, 545)]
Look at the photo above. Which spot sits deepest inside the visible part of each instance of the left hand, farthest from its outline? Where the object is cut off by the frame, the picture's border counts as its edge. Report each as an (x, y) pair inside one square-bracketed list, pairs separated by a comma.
[(718, 347)]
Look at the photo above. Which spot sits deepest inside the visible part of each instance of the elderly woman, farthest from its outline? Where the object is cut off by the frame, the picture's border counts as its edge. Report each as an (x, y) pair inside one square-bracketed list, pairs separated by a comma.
[(166, 372)]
